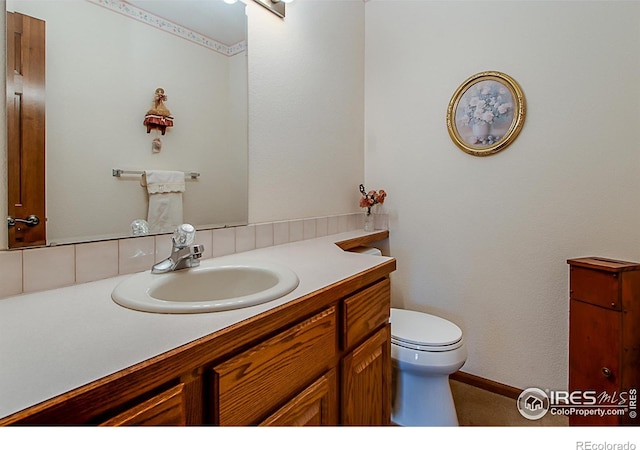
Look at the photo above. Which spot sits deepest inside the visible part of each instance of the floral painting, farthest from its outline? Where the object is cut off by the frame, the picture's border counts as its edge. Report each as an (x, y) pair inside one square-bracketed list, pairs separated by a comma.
[(486, 113)]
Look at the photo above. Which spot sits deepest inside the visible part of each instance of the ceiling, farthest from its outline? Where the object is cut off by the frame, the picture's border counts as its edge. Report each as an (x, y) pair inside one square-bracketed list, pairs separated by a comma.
[(213, 18)]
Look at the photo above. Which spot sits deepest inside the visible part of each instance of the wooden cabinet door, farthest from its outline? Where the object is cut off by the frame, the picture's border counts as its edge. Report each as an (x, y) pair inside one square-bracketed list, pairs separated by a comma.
[(316, 405), (366, 382), (26, 128), (251, 385), (594, 355)]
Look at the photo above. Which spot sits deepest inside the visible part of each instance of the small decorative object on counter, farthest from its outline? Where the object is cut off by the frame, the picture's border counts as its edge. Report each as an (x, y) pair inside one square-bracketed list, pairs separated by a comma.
[(158, 117), (370, 199)]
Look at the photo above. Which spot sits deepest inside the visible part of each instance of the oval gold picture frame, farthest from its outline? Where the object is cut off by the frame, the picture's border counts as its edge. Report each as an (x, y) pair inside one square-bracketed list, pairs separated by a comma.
[(486, 113)]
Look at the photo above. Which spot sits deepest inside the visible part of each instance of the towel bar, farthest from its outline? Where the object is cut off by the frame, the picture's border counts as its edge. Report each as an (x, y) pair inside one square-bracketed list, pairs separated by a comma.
[(120, 172)]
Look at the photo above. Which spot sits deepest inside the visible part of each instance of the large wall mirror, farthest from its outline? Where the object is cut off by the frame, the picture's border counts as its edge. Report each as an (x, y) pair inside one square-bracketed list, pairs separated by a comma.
[(104, 61)]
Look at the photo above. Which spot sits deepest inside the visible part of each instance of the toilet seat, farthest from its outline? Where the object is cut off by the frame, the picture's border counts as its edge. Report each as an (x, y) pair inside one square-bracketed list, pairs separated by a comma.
[(424, 332)]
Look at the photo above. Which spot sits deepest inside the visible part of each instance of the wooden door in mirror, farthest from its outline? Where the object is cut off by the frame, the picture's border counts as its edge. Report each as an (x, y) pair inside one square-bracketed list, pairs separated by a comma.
[(26, 130)]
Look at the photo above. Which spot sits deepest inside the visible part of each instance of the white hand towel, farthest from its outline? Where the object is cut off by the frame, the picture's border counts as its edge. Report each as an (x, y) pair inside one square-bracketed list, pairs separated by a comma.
[(165, 190)]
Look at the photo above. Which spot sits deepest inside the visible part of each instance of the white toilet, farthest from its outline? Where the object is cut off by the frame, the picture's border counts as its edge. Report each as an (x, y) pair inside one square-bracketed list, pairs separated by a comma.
[(425, 350)]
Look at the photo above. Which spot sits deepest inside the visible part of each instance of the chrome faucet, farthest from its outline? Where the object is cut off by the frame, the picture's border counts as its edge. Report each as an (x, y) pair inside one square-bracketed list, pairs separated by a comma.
[(183, 254)]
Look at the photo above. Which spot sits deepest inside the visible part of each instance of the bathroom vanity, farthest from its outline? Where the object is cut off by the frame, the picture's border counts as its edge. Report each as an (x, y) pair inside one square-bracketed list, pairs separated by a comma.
[(320, 355)]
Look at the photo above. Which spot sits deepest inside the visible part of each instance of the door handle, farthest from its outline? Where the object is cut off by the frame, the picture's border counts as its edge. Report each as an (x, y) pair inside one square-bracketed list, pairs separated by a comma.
[(30, 221)]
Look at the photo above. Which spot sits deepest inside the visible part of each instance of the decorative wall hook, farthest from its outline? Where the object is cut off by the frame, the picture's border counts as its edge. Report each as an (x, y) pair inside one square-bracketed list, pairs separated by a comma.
[(156, 145), (158, 117)]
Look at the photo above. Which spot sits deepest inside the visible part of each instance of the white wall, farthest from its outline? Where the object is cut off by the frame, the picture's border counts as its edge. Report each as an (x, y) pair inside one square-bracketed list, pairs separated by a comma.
[(484, 241), (306, 114)]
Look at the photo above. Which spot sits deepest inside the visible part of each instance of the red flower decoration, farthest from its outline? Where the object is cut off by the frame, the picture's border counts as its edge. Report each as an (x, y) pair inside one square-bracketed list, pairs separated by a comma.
[(371, 198)]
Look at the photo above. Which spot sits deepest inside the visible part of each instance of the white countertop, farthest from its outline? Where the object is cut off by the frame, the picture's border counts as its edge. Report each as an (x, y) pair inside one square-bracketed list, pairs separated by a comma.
[(54, 341)]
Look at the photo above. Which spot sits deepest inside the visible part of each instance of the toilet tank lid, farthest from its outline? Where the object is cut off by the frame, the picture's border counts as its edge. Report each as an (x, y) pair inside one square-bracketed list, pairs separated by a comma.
[(423, 329)]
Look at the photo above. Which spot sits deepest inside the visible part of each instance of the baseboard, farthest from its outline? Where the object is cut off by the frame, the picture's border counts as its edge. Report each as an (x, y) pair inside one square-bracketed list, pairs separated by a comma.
[(486, 384)]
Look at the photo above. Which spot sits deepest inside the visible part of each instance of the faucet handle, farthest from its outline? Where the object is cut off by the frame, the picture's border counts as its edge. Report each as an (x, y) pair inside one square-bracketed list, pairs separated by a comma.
[(184, 235)]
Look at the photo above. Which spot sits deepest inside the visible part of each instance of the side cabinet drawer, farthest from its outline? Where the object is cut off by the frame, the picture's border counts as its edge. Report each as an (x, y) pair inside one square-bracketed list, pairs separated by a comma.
[(595, 287), (255, 382), (365, 311)]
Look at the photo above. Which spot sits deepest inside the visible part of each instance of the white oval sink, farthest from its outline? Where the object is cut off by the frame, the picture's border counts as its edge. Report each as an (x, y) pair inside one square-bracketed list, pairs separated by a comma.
[(208, 288)]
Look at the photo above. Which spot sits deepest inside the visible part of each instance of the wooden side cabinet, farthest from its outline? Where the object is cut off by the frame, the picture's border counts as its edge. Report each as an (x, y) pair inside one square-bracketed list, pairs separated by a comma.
[(604, 340)]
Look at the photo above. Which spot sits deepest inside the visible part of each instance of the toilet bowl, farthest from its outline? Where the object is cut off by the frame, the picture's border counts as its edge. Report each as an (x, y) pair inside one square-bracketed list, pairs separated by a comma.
[(425, 350)]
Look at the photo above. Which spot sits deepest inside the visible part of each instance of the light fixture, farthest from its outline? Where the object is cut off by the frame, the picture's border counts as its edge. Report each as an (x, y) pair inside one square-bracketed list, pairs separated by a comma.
[(275, 6), (230, 2)]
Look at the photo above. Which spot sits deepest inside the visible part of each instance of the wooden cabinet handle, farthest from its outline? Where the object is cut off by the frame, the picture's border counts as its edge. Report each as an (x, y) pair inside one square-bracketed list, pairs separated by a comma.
[(607, 372)]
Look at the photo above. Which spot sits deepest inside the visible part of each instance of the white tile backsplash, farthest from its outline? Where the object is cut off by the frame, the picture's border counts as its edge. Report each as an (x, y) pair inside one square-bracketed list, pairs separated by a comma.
[(245, 238), (11, 270), (332, 225), (321, 226), (38, 269), (224, 241), (264, 235), (48, 268), (280, 233), (136, 254), (296, 230), (96, 261), (343, 223), (309, 228)]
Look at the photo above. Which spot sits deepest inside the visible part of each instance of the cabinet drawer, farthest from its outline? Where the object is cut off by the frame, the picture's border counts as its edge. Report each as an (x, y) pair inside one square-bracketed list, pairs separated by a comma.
[(596, 287), (365, 312), (167, 408), (253, 383)]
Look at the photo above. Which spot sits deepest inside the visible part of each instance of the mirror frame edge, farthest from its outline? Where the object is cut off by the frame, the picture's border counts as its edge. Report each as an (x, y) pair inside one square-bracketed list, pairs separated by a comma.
[(4, 237)]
